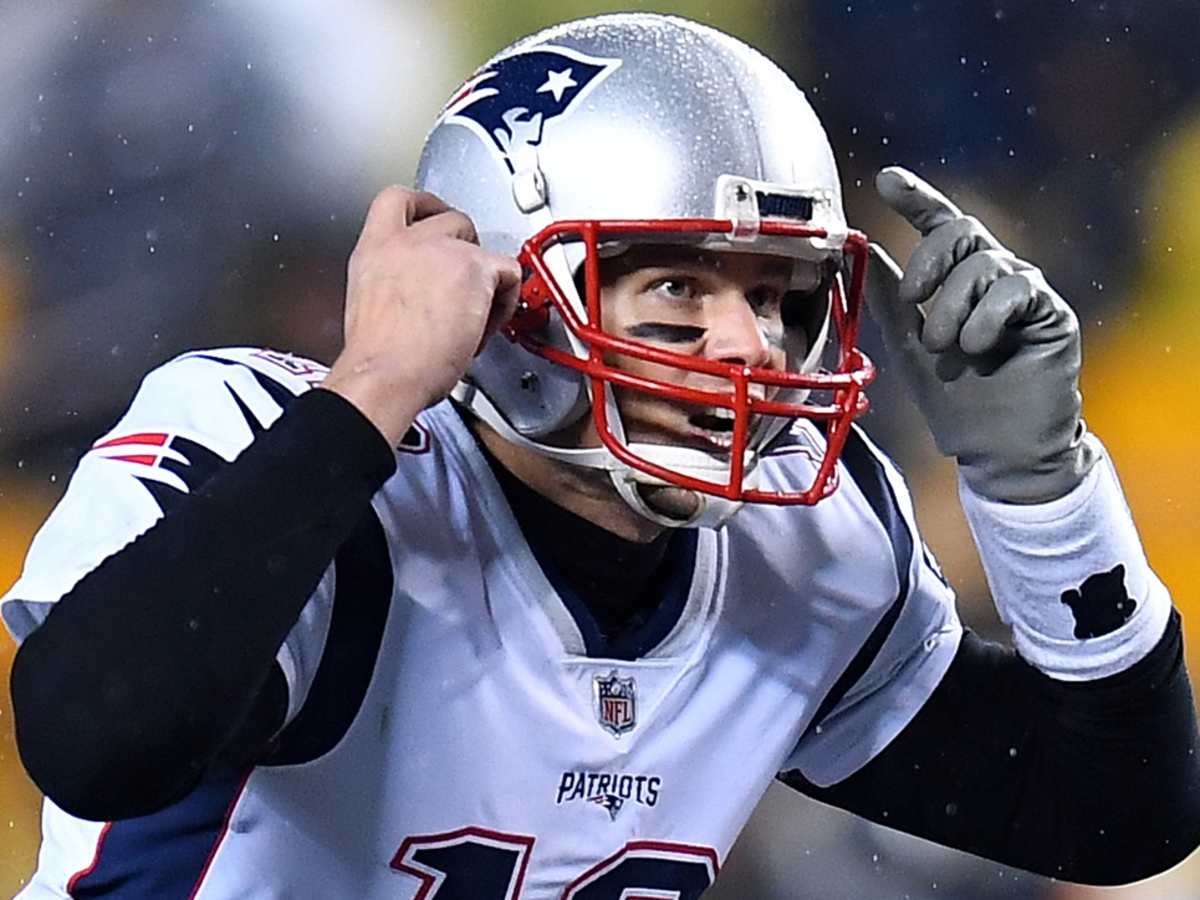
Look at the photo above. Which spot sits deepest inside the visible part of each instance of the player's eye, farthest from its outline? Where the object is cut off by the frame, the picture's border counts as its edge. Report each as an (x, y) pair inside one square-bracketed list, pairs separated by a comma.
[(674, 288)]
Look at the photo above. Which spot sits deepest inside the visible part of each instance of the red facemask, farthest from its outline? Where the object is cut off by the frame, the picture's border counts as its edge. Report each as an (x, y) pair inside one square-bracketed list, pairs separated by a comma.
[(841, 388)]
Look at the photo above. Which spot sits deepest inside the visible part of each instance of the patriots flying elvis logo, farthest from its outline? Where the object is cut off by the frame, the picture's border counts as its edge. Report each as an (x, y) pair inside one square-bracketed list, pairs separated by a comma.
[(508, 104)]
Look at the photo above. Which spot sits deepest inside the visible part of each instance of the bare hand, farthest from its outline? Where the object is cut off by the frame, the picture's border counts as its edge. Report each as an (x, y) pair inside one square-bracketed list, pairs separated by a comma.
[(421, 299)]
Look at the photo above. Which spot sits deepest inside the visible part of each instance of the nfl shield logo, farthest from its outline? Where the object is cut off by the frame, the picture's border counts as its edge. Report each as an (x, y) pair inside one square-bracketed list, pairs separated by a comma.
[(616, 703)]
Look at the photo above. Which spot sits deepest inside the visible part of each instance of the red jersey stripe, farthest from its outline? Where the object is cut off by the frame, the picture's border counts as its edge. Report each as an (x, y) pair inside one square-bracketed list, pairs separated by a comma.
[(144, 437)]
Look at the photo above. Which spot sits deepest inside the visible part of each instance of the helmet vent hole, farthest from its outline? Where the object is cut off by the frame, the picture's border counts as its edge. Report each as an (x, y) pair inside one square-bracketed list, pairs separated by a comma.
[(784, 206)]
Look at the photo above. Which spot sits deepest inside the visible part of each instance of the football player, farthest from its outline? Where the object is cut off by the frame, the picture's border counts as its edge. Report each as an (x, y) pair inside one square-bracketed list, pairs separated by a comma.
[(576, 546)]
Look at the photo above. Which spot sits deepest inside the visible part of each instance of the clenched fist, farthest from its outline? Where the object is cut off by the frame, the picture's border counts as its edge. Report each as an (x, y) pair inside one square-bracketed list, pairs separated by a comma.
[(991, 353), (421, 298)]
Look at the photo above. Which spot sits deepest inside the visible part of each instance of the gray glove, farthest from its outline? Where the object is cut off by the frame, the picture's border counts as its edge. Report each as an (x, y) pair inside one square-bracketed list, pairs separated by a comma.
[(993, 357)]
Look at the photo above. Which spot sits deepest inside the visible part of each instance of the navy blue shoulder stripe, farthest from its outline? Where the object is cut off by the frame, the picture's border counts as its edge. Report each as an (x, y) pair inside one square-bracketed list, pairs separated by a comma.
[(279, 393), (362, 597), (203, 463), (256, 427), (868, 473), (165, 853)]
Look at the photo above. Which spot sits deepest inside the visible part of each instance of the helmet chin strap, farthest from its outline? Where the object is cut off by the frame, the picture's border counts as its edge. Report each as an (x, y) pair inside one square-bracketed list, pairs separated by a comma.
[(711, 511)]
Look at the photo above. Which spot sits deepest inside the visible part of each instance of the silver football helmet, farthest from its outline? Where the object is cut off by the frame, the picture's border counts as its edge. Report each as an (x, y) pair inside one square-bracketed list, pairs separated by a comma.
[(578, 141)]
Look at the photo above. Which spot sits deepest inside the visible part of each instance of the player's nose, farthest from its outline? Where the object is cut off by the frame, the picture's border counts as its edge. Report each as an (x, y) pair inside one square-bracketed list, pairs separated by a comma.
[(735, 332)]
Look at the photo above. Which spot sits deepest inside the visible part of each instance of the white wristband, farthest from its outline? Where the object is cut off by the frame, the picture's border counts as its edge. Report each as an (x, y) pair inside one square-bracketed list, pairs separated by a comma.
[(1056, 572)]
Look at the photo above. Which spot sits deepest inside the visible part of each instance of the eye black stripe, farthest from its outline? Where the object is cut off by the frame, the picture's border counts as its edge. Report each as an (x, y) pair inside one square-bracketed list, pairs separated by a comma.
[(666, 332)]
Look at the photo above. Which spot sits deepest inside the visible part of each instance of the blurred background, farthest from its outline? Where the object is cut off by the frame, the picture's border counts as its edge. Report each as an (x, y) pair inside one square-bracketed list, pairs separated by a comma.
[(176, 175)]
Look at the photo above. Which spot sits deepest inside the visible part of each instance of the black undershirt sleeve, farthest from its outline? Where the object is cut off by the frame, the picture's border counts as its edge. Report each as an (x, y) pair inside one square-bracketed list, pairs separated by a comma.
[(159, 666), (1093, 782)]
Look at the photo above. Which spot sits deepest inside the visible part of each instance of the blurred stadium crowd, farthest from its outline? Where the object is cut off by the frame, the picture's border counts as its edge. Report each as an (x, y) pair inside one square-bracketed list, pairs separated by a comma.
[(176, 175)]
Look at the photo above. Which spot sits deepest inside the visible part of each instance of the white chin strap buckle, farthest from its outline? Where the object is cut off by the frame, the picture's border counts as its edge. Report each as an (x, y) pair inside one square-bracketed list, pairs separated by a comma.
[(711, 511)]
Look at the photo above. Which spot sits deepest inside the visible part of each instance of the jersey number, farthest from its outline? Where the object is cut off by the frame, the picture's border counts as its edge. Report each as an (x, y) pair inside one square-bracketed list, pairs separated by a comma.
[(477, 864)]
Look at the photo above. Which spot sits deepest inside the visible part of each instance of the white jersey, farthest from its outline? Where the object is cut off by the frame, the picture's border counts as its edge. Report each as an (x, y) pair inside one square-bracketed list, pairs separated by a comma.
[(467, 745)]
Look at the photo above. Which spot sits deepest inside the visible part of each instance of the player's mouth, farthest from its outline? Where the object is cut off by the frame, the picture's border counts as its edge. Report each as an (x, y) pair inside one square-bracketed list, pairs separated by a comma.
[(712, 429), (701, 427)]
